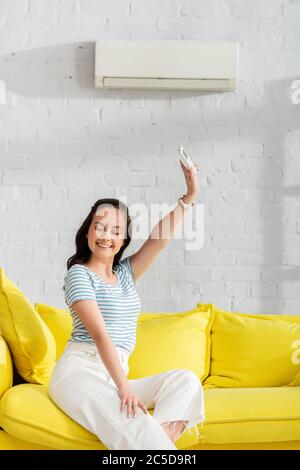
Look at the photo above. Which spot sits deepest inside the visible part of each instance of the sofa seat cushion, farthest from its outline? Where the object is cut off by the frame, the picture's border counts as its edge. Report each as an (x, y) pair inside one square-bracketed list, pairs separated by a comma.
[(9, 442), (27, 413), (254, 414), (233, 415)]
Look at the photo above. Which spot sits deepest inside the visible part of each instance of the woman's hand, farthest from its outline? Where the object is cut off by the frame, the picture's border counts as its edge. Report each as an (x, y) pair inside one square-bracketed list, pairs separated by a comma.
[(128, 397), (191, 182)]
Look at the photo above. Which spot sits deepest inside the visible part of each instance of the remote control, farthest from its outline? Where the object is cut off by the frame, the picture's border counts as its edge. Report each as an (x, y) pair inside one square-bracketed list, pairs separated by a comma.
[(185, 159)]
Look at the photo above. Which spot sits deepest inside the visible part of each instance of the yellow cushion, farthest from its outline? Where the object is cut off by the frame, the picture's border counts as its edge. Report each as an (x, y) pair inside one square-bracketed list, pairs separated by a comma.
[(296, 346), (172, 341), (270, 316), (249, 351), (264, 316), (59, 322), (28, 337), (6, 367), (286, 317)]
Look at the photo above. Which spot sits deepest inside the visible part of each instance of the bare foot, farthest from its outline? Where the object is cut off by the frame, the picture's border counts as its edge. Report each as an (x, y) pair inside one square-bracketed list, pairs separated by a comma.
[(174, 429)]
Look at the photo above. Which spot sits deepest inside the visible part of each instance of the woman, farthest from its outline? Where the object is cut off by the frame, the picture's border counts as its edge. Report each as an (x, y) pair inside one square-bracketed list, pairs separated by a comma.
[(89, 381)]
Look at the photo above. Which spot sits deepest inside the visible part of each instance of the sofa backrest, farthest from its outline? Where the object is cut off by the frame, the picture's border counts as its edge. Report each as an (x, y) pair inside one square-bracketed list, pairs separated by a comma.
[(278, 316)]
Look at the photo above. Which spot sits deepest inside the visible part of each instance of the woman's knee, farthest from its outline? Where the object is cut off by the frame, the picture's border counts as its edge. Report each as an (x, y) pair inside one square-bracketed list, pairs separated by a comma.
[(191, 379)]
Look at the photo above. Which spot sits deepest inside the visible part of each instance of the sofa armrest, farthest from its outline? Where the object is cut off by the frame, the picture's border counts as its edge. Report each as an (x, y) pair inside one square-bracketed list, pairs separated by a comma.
[(6, 367)]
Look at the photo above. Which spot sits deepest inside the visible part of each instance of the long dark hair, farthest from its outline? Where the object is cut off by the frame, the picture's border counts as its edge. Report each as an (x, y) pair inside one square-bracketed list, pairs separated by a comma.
[(83, 252)]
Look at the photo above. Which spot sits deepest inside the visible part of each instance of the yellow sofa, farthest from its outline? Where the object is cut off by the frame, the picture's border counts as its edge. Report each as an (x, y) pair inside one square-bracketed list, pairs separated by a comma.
[(237, 417)]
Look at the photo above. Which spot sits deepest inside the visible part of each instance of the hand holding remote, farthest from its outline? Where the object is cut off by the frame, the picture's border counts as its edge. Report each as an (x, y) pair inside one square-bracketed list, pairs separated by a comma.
[(189, 169), (185, 159)]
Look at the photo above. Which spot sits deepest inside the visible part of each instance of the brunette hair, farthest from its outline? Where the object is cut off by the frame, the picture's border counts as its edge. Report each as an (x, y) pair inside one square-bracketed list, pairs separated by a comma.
[(83, 252)]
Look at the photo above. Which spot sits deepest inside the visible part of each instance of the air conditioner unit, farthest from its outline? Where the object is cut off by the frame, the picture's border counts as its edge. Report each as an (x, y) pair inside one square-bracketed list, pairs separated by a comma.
[(166, 64)]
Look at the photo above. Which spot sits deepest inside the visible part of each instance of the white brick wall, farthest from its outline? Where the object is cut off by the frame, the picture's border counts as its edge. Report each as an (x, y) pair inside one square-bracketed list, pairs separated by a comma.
[(65, 144)]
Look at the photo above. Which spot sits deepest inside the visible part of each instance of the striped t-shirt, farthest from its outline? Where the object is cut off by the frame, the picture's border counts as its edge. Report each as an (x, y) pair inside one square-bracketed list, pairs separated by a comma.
[(119, 304)]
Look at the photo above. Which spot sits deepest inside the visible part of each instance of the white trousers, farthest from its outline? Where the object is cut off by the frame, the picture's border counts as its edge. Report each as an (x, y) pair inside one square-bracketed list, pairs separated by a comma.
[(81, 386)]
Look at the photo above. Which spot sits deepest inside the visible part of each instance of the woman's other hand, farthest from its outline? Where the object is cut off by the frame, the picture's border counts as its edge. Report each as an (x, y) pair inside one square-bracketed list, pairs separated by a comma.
[(131, 400)]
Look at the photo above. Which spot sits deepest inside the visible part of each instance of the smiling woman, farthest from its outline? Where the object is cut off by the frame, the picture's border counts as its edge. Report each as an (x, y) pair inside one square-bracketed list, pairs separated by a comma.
[(101, 295)]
